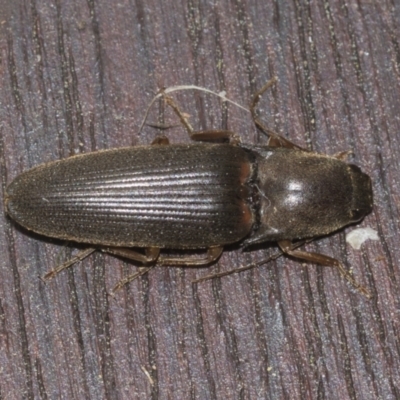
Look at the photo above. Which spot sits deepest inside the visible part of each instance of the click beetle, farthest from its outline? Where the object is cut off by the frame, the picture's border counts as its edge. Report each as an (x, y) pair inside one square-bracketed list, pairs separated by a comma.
[(192, 196)]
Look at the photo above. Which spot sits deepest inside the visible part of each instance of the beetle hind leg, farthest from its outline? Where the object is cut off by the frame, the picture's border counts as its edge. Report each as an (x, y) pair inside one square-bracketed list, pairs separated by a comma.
[(213, 253), (152, 257), (288, 248), (141, 271), (149, 259)]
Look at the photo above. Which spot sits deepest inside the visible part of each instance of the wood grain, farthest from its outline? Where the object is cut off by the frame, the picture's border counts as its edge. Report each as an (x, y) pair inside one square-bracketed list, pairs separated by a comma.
[(76, 76)]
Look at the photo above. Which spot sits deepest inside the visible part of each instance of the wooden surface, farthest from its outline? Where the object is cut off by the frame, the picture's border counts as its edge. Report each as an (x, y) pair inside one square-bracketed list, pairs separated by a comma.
[(76, 76)]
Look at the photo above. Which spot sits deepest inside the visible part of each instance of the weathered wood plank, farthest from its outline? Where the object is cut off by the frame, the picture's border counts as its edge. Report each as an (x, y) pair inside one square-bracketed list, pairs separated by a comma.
[(77, 76)]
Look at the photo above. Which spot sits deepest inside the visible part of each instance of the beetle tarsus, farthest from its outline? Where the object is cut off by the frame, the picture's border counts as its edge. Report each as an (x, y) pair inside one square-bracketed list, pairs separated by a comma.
[(130, 278)]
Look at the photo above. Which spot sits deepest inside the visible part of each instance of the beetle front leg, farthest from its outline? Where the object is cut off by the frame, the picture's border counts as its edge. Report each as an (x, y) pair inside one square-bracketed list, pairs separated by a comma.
[(288, 248)]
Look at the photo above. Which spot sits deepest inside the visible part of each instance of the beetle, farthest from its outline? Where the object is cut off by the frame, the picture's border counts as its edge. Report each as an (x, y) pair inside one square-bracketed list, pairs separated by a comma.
[(192, 196)]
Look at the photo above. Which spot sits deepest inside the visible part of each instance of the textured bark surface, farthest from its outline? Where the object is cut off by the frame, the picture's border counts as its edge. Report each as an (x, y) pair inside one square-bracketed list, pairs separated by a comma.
[(76, 76)]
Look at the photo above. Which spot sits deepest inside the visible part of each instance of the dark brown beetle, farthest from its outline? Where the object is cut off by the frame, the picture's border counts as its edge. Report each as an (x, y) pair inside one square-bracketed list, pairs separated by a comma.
[(193, 196)]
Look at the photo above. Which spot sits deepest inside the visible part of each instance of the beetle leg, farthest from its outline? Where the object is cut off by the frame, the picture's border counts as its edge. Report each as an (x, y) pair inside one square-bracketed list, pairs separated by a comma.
[(209, 135), (215, 134), (79, 257), (287, 247), (160, 140), (150, 256), (169, 101), (275, 140), (213, 253), (237, 270), (130, 278), (342, 155), (249, 266)]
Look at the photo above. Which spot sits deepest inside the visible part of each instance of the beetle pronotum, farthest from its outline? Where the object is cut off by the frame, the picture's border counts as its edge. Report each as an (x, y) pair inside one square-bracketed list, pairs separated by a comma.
[(192, 196)]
